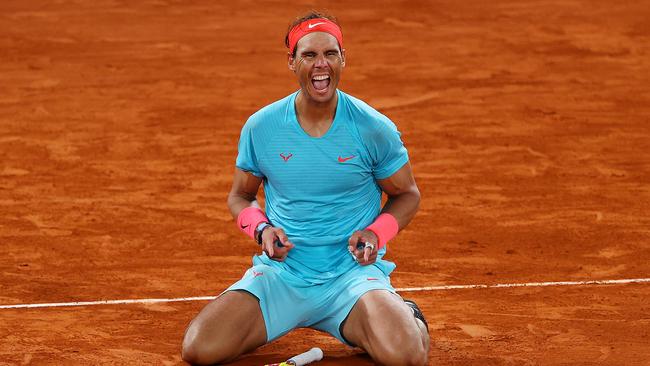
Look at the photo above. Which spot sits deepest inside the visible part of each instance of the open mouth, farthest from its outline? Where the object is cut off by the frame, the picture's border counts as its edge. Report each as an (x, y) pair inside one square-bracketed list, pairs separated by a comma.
[(320, 82)]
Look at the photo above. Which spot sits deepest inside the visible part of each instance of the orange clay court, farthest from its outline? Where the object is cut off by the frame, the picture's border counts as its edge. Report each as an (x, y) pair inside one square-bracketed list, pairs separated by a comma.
[(527, 124)]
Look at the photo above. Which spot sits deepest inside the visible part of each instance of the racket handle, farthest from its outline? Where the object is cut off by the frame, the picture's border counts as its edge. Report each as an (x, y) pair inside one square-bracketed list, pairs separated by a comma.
[(313, 355)]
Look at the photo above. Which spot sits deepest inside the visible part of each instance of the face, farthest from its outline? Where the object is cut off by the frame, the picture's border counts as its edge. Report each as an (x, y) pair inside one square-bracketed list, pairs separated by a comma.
[(318, 65)]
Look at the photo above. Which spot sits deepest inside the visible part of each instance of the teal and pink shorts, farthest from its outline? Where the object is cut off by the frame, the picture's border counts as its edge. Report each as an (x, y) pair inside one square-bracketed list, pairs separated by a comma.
[(288, 302)]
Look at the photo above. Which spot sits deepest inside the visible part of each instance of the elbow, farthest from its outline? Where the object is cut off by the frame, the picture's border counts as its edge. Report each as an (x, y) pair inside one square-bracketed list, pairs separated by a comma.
[(411, 193), (417, 197), (232, 204), (232, 199)]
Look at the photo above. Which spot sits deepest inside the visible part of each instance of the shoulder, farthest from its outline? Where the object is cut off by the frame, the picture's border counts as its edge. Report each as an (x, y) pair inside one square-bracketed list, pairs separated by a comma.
[(366, 119), (270, 114)]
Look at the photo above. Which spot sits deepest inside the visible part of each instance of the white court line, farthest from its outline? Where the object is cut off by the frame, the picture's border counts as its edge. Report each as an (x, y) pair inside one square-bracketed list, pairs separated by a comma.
[(528, 284), (404, 289)]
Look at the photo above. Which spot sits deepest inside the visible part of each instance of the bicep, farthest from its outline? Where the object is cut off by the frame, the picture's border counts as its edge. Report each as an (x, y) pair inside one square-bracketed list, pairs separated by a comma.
[(245, 185), (400, 182)]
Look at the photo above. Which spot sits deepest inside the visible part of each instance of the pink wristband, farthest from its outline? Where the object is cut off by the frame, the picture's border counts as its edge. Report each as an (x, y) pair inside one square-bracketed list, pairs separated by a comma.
[(385, 227), (248, 220)]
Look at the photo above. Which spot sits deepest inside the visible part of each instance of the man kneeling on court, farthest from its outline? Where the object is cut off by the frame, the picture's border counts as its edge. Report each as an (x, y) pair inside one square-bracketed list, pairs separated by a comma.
[(324, 158)]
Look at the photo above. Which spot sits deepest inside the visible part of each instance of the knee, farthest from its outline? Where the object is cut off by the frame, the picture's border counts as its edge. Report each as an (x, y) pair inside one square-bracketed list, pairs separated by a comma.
[(192, 354), (192, 351), (404, 350), (196, 351), (418, 356), (410, 356)]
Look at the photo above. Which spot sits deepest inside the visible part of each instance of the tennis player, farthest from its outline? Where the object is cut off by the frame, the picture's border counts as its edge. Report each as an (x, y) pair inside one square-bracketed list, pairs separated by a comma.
[(324, 158)]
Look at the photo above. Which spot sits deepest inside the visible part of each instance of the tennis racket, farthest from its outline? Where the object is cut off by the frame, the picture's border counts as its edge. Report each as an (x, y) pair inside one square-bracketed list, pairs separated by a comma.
[(313, 355)]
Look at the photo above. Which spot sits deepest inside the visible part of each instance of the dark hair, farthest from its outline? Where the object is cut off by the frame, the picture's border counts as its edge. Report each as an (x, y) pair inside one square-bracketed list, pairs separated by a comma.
[(311, 15)]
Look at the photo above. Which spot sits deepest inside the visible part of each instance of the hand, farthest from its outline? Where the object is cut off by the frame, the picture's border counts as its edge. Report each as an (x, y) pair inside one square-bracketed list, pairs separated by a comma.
[(363, 247), (275, 243)]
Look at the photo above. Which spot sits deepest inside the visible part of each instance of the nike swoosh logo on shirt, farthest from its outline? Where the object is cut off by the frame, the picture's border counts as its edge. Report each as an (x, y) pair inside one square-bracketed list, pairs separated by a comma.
[(343, 160), (310, 25), (245, 226)]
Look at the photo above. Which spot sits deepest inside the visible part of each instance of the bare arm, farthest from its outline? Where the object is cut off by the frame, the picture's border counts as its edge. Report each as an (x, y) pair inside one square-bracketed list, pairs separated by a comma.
[(403, 202), (403, 195), (244, 194)]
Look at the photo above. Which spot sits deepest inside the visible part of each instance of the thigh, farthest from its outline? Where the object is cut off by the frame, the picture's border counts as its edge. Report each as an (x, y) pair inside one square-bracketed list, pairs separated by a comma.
[(383, 325), (227, 327), (338, 298), (283, 299)]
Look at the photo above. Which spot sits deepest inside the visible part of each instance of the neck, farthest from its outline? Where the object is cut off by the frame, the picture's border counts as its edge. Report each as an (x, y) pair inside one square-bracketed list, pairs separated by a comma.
[(315, 117)]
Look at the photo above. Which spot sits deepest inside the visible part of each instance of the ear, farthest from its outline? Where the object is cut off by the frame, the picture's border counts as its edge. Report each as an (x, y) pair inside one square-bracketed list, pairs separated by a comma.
[(343, 57), (291, 62)]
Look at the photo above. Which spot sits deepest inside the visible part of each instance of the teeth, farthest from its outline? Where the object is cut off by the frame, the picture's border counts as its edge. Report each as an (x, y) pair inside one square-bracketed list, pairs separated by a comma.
[(321, 77)]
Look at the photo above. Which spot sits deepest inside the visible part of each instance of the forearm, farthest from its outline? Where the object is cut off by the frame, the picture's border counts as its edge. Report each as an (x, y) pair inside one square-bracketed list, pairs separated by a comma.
[(395, 215), (403, 206), (247, 214), (243, 193), (238, 202)]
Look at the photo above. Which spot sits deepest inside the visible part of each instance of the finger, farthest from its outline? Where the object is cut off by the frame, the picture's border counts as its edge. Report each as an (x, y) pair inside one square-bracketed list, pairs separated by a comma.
[(354, 238), (283, 239), (282, 251), (367, 251), (359, 254), (267, 242), (269, 249), (364, 262), (279, 258), (373, 258), (354, 256), (366, 257)]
